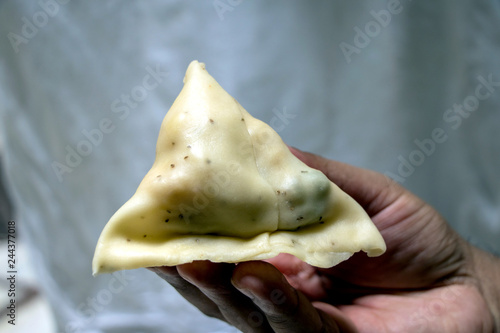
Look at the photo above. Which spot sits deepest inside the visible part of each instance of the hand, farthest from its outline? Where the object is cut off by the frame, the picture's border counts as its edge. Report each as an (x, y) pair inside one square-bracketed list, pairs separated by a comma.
[(429, 280)]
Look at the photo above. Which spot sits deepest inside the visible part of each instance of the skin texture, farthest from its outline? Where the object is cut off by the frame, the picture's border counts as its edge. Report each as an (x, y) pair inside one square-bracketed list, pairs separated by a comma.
[(429, 280)]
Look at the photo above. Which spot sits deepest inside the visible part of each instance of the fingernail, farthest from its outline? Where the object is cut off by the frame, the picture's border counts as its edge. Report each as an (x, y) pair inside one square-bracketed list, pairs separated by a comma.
[(248, 293), (245, 291), (263, 303)]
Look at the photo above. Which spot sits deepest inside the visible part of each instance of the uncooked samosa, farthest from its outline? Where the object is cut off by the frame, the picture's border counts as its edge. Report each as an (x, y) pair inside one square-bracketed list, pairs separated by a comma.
[(225, 188)]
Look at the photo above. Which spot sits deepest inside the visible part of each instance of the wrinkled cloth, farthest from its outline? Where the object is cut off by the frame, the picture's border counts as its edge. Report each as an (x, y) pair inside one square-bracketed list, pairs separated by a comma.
[(407, 88)]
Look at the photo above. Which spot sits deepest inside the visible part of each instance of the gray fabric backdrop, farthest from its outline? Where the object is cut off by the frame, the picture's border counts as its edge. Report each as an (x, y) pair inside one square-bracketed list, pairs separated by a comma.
[(407, 88)]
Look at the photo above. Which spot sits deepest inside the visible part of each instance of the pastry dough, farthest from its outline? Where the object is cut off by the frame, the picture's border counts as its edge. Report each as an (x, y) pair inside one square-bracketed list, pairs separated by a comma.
[(224, 187)]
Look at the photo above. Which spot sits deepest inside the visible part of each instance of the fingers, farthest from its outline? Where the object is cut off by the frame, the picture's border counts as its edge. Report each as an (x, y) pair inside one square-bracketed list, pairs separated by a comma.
[(190, 292), (370, 189), (214, 281), (284, 308), (252, 296)]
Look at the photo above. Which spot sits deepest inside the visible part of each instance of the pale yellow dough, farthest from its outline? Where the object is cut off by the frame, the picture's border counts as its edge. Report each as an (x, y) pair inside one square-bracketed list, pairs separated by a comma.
[(224, 187)]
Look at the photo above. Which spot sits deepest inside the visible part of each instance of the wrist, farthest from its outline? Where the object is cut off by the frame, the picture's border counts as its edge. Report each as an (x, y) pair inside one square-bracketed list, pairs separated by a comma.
[(486, 270)]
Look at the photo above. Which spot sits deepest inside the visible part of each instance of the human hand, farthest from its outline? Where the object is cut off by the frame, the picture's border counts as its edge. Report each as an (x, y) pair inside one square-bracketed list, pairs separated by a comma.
[(429, 280)]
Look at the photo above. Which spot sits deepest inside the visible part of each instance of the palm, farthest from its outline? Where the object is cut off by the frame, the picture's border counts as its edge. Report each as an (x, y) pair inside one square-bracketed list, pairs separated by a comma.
[(423, 283), (408, 287)]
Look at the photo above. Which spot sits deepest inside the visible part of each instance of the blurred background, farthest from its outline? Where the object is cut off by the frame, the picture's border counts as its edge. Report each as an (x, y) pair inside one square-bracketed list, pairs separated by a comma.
[(407, 88), (36, 310)]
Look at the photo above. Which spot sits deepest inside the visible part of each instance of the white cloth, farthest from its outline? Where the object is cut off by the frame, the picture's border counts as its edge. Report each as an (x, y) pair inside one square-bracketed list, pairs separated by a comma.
[(370, 83)]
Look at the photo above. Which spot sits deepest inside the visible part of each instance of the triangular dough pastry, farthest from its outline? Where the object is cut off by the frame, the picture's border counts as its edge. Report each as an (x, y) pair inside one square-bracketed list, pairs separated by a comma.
[(224, 187)]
